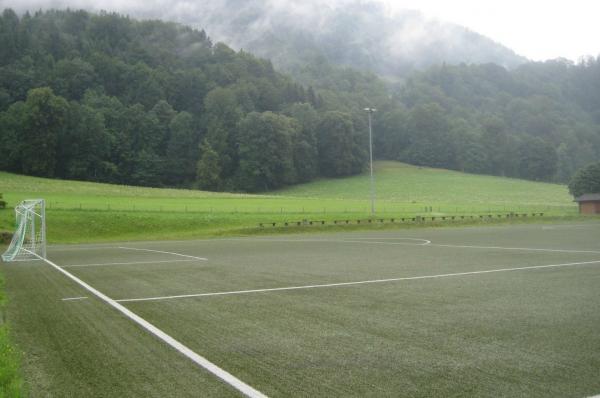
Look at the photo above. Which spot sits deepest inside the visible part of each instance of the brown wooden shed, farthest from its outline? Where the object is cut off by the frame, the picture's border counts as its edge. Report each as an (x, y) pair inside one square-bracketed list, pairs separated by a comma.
[(589, 203)]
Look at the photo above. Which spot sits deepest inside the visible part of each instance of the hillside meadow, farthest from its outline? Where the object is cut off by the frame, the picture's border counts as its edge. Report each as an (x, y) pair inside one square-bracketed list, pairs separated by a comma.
[(85, 211)]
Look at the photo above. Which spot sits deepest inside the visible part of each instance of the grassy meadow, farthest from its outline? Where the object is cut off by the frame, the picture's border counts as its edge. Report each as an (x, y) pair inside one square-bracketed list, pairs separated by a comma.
[(84, 211)]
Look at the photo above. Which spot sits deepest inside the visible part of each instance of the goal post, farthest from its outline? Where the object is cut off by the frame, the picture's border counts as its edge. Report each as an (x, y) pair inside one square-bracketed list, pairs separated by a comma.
[(29, 239)]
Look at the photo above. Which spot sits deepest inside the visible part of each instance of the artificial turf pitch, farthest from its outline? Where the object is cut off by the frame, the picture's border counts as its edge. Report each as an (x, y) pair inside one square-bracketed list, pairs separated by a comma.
[(443, 326)]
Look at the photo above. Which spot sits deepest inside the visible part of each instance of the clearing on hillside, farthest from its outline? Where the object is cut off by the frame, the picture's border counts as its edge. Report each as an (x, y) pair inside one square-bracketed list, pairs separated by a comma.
[(108, 212)]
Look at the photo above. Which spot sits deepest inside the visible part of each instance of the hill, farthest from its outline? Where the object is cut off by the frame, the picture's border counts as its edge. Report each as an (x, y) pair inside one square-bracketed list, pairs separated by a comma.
[(361, 35), (150, 103), (358, 34), (84, 211)]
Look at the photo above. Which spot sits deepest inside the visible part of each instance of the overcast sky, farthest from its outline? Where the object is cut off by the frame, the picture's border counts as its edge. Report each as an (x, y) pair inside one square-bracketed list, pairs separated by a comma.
[(537, 29)]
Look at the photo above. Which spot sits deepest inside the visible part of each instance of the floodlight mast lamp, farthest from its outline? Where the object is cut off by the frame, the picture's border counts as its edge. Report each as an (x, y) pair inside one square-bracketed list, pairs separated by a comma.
[(370, 112)]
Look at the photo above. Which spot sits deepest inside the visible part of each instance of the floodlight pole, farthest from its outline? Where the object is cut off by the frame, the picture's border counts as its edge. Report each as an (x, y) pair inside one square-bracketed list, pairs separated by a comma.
[(370, 113)]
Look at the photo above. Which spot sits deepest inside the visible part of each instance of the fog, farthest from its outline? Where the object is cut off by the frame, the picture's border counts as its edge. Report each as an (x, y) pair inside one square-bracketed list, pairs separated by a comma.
[(358, 33)]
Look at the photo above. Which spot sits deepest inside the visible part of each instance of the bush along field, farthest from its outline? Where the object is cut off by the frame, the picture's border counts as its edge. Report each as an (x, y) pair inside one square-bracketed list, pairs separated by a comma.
[(86, 212)]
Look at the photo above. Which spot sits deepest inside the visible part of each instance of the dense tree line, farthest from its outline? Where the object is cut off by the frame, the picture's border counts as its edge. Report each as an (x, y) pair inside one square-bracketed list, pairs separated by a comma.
[(540, 121), (106, 98)]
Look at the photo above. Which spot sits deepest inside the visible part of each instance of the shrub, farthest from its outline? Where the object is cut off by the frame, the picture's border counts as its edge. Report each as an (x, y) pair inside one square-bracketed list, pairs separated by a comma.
[(586, 180)]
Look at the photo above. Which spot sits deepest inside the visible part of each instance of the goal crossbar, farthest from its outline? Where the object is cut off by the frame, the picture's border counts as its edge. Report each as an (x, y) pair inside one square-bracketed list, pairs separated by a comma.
[(29, 240)]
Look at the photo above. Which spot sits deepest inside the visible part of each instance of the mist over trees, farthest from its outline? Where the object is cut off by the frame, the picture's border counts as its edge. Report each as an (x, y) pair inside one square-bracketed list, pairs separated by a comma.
[(361, 34), (539, 121), (104, 97), (358, 34)]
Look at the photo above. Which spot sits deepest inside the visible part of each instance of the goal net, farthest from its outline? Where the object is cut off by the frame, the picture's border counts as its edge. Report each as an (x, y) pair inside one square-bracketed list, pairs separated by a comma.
[(29, 240)]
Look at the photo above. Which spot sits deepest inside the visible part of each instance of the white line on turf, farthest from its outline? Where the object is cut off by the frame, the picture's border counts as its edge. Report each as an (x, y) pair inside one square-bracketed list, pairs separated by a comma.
[(163, 252), (516, 248), (129, 263), (344, 240), (199, 360), (422, 242), (80, 247), (369, 241), (427, 244), (547, 227), (74, 298), (410, 278)]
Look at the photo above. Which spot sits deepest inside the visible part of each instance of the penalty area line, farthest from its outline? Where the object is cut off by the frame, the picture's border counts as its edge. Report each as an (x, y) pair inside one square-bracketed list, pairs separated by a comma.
[(515, 248), (163, 252), (373, 281), (196, 358), (129, 263)]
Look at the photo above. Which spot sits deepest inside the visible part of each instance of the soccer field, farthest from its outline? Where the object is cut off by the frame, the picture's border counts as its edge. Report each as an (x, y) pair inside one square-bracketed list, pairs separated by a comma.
[(480, 311)]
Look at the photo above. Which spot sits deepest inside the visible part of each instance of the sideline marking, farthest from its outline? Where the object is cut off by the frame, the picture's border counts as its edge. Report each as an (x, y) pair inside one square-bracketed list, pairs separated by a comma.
[(163, 252), (517, 248), (199, 360), (130, 263), (74, 298), (427, 243), (556, 226), (389, 241), (277, 289), (80, 247)]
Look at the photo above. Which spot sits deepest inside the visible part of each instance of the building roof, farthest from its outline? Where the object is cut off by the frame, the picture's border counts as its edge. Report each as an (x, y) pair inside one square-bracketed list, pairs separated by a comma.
[(588, 197)]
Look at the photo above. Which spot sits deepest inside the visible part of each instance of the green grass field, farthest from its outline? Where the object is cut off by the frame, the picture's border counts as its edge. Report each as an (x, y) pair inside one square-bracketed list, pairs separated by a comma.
[(10, 377), (465, 314), (86, 212), (402, 183), (498, 311)]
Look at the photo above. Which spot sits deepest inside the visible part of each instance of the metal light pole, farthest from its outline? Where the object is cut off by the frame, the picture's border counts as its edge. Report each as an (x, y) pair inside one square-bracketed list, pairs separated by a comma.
[(370, 112)]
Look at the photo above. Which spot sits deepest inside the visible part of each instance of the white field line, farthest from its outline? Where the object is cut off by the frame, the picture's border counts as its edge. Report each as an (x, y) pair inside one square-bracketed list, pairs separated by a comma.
[(410, 278), (80, 247), (426, 243), (516, 248), (547, 227), (74, 298), (349, 240), (423, 242), (163, 252), (340, 240), (199, 360), (365, 241), (129, 263)]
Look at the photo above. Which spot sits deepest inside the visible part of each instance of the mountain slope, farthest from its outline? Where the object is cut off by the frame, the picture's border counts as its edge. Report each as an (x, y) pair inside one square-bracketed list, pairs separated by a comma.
[(359, 35), (362, 35)]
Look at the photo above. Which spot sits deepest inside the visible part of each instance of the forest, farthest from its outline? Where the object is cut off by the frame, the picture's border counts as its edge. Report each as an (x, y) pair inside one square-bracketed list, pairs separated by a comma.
[(103, 97)]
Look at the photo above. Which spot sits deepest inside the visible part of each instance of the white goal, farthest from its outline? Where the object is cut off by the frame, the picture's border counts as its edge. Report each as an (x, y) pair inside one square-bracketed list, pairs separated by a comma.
[(29, 240)]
